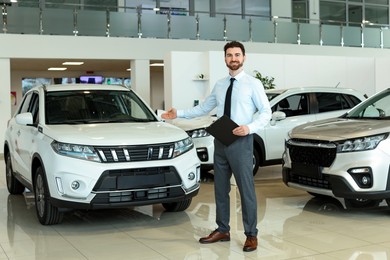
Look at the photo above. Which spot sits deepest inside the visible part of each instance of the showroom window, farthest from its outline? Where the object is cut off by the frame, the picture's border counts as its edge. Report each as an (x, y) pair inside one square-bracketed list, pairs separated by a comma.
[(354, 12), (261, 8), (300, 11), (71, 4), (377, 14), (333, 12)]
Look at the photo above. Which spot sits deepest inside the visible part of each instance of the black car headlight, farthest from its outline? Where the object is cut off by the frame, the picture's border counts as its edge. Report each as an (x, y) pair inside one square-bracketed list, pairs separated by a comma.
[(77, 151), (183, 146), (360, 144), (197, 133)]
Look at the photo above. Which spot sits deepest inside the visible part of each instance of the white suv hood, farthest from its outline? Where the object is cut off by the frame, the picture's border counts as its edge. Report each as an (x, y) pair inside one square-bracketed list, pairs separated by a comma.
[(194, 123), (340, 128), (116, 133)]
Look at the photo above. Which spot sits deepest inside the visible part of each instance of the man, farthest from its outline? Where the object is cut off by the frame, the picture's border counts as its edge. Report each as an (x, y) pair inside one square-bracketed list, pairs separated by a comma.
[(247, 97)]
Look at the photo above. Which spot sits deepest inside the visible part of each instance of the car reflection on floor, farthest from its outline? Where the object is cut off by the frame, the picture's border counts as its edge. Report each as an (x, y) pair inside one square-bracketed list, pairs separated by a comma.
[(292, 225)]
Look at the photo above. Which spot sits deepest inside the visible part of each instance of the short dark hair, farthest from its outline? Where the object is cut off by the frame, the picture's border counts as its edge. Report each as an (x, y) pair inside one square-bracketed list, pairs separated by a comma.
[(234, 44)]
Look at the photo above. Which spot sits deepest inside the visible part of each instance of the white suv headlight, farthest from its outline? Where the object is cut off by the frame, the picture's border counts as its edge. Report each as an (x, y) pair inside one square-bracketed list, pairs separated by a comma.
[(84, 152), (197, 133), (360, 144), (183, 146)]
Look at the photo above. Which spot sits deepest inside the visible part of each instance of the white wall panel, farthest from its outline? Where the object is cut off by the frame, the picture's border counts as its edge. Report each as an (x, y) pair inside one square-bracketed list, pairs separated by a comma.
[(5, 96), (314, 71), (288, 70), (361, 74), (382, 75)]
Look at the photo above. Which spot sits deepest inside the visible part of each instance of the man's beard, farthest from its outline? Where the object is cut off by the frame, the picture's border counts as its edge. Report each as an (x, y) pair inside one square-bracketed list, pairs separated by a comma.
[(234, 65)]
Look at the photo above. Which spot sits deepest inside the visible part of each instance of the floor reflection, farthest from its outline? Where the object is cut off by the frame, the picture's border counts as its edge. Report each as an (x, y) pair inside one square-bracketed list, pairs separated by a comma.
[(324, 205), (292, 225)]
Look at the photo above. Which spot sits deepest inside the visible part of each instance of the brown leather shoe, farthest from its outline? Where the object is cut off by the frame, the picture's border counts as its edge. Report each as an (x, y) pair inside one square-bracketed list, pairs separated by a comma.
[(250, 244), (215, 236)]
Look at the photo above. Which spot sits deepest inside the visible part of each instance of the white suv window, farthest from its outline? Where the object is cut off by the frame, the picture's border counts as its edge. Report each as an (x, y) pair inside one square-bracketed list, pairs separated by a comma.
[(293, 105), (95, 106), (331, 102)]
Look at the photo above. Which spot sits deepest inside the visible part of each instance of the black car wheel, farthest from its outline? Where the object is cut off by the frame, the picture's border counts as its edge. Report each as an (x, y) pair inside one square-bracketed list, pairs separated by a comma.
[(13, 185), (46, 212)]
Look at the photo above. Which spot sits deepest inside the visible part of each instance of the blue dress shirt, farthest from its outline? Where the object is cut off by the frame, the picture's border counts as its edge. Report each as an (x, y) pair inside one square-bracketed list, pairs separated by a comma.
[(248, 97)]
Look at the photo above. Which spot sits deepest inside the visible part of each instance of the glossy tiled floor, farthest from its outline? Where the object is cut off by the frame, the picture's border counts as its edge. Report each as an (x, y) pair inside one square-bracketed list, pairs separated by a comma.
[(292, 225)]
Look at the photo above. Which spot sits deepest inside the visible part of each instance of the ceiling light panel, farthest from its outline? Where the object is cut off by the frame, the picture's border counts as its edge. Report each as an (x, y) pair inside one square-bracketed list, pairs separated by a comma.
[(73, 63), (58, 69), (157, 65)]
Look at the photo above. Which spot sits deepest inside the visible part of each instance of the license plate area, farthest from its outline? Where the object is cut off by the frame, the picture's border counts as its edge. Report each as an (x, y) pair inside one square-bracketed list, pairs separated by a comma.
[(307, 170)]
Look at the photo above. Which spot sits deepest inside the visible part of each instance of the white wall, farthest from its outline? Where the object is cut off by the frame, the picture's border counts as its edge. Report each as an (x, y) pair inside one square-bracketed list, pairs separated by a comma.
[(382, 75), (288, 70), (5, 97)]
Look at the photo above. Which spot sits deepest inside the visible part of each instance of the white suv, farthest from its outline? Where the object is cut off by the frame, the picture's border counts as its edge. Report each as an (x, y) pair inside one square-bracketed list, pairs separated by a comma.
[(96, 146), (290, 107), (346, 157)]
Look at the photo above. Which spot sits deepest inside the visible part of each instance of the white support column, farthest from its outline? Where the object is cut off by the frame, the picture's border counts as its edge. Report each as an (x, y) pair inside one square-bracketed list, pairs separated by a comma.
[(5, 97), (140, 78), (280, 9), (314, 11)]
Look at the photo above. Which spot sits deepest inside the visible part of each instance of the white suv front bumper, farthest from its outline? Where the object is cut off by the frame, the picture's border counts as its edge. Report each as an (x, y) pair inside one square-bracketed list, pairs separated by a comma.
[(75, 183), (352, 175)]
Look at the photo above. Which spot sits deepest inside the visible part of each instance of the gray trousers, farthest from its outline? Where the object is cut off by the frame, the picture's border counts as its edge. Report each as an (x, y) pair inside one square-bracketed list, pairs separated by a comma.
[(236, 159)]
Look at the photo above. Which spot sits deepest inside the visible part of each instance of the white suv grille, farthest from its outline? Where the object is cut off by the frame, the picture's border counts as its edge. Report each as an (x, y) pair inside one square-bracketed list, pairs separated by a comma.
[(135, 153)]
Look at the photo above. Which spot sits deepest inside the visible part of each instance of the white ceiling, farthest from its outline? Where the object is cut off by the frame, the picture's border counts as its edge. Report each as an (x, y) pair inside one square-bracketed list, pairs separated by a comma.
[(89, 65)]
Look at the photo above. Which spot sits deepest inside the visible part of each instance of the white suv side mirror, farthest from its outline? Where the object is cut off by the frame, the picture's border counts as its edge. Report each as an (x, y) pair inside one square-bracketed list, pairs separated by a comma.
[(159, 112), (24, 119), (277, 116)]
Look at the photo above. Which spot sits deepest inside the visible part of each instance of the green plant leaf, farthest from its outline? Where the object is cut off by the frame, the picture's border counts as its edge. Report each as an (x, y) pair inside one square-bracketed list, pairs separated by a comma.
[(268, 82)]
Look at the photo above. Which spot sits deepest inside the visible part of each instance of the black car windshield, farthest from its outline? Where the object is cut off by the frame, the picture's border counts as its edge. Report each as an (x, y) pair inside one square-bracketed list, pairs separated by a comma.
[(95, 106), (271, 96), (376, 107)]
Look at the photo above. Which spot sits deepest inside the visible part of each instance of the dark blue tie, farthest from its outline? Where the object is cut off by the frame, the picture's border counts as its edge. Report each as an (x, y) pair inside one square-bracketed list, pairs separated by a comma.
[(228, 99)]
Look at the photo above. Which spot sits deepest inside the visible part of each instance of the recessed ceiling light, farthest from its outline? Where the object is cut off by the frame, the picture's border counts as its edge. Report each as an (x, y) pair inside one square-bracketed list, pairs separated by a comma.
[(73, 63), (53, 68), (157, 65)]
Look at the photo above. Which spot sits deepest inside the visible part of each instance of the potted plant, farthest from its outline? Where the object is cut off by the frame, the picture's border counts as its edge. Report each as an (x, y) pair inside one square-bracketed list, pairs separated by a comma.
[(268, 82)]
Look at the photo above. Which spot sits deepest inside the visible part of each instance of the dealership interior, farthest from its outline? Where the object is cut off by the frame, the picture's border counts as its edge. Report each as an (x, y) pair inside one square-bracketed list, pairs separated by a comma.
[(292, 223)]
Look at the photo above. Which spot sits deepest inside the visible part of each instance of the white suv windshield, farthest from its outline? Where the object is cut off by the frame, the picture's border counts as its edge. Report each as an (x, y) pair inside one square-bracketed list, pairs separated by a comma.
[(75, 107), (377, 108)]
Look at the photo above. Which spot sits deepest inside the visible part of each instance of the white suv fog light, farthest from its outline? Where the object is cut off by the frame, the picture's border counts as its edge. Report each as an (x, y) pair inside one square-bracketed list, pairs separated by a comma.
[(75, 185), (366, 180), (360, 170), (362, 176), (59, 185), (191, 176)]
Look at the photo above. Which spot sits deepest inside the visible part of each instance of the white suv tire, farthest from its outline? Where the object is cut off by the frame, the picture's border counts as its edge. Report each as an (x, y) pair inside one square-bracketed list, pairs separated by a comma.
[(13, 185), (46, 212)]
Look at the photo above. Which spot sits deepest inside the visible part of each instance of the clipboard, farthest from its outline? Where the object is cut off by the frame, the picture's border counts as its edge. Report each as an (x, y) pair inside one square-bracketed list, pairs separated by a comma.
[(222, 130)]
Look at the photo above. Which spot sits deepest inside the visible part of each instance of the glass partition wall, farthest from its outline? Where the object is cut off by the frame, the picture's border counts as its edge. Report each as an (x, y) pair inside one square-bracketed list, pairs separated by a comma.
[(354, 23)]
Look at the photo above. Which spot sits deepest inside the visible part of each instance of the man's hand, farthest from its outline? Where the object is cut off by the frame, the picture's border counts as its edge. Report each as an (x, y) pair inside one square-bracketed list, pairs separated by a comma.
[(170, 114), (242, 130)]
